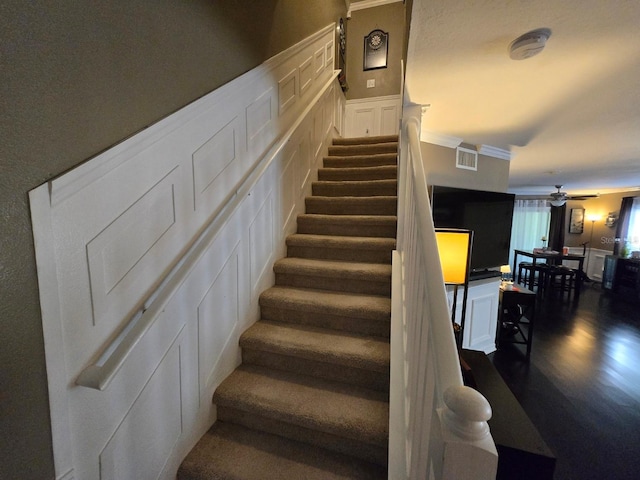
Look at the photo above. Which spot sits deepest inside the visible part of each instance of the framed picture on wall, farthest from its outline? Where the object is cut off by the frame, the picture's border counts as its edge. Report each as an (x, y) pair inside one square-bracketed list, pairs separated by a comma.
[(576, 220), (375, 50)]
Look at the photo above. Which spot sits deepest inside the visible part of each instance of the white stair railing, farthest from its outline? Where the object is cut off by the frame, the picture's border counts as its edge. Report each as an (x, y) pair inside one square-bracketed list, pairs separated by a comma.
[(438, 427)]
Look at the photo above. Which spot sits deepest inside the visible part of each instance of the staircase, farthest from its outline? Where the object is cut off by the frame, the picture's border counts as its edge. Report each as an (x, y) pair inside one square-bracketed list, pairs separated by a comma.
[(310, 399)]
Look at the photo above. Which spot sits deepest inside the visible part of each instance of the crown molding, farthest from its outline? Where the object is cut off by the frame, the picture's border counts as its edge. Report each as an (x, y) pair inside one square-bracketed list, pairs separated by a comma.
[(494, 152), (353, 6), (439, 139)]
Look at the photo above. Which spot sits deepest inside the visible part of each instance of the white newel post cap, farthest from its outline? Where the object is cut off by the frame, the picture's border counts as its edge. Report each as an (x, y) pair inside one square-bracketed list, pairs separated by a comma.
[(467, 412)]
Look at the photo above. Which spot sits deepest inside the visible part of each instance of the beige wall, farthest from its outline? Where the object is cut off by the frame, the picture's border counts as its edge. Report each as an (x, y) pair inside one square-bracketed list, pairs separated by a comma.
[(603, 236), (440, 167), (388, 18), (78, 77)]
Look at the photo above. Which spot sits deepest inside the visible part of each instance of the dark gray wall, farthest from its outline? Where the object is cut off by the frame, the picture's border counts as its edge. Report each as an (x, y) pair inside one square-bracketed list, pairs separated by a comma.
[(389, 18), (78, 77)]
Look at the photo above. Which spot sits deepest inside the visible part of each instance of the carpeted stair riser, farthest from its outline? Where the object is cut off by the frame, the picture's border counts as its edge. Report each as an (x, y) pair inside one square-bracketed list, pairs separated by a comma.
[(268, 457), (336, 416), (353, 359), (361, 314), (367, 278), (365, 140), (372, 149), (348, 226), (370, 188), (310, 399), (355, 249), (368, 368), (384, 172), (351, 205), (353, 376), (356, 161)]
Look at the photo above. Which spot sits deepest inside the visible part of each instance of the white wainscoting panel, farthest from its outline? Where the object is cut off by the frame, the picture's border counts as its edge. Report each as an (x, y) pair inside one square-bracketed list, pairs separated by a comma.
[(318, 61), (212, 159), (218, 316), (481, 316), (306, 75), (151, 257), (593, 262), (288, 90), (141, 445), (369, 117)]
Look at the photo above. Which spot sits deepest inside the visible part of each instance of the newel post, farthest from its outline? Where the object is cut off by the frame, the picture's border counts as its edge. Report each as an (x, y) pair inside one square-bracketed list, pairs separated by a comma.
[(469, 451)]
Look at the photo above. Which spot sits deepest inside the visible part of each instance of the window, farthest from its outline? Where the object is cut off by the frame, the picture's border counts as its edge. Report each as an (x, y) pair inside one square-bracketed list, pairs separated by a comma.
[(633, 233), (531, 220)]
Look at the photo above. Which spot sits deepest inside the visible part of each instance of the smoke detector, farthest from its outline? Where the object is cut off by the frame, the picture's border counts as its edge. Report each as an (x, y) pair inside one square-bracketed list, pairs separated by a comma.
[(529, 44)]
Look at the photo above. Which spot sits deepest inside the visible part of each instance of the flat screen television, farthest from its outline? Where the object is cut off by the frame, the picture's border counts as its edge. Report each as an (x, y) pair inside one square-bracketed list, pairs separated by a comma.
[(488, 214)]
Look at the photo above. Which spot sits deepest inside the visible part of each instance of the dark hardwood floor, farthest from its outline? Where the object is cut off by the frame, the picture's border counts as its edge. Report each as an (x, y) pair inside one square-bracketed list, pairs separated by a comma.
[(581, 388)]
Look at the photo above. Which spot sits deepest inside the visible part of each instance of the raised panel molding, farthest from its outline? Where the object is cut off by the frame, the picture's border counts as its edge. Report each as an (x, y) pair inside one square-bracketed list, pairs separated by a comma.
[(328, 54), (288, 91), (261, 242), (303, 162), (141, 445), (306, 75), (318, 61), (288, 188), (260, 116), (167, 239), (373, 116), (213, 157), (217, 316), (120, 246)]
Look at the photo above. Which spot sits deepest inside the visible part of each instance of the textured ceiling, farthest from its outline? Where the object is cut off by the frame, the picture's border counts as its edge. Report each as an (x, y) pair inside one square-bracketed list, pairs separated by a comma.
[(570, 115)]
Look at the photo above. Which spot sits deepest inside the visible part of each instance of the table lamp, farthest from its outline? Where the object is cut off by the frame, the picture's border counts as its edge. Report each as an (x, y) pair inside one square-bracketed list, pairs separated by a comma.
[(454, 249), (505, 276)]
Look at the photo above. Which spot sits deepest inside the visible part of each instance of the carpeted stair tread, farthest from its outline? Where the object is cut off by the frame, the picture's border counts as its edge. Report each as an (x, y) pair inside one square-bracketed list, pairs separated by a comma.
[(374, 272), (319, 344), (355, 188), (365, 140), (361, 306), (229, 451), (334, 408), (359, 313), (363, 149), (348, 225), (356, 161), (332, 247), (380, 172), (310, 399), (377, 205)]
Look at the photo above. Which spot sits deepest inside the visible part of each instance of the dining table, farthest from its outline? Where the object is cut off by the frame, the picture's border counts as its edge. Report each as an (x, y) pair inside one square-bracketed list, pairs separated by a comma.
[(553, 257)]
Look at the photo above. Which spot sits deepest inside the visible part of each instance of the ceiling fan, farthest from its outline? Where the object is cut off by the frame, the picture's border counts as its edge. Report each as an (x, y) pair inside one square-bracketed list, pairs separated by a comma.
[(559, 198)]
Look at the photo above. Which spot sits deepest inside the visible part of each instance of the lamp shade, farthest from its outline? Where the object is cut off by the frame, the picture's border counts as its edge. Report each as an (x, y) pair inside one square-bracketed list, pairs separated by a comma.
[(454, 249)]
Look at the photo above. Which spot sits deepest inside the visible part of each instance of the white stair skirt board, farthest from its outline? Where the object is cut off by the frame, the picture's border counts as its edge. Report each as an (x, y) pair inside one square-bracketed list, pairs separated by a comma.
[(151, 256)]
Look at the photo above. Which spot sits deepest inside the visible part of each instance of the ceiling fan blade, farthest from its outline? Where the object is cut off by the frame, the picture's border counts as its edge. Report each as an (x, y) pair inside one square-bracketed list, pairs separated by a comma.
[(583, 197)]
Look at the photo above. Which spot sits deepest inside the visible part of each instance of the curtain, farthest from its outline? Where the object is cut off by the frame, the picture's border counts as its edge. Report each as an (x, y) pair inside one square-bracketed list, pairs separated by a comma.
[(556, 228), (531, 220), (633, 232), (623, 224)]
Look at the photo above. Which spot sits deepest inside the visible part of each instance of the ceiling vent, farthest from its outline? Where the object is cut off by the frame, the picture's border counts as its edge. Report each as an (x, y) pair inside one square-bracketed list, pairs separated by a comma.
[(467, 159), (529, 44)]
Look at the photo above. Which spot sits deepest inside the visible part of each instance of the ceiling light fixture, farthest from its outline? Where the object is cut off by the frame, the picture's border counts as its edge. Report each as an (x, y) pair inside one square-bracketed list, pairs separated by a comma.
[(529, 44)]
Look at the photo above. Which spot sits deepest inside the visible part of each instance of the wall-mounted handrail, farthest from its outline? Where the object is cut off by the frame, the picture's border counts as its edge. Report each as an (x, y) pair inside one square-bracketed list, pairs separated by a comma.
[(102, 372)]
